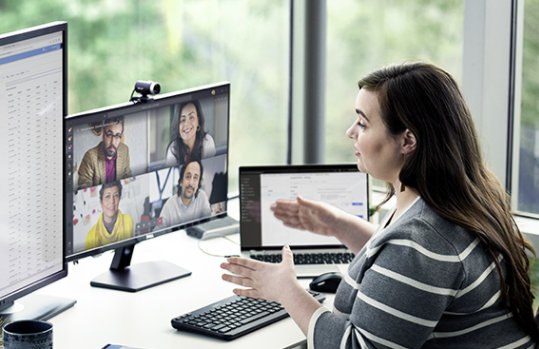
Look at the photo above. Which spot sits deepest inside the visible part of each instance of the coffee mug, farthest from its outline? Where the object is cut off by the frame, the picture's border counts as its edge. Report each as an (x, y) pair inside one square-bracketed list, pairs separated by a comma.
[(28, 334)]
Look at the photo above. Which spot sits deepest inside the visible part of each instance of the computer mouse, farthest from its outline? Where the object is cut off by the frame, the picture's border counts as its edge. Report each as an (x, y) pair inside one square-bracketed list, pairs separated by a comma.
[(327, 282)]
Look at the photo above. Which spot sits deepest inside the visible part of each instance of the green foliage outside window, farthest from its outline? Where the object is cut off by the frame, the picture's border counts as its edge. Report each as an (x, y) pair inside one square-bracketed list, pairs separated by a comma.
[(528, 170), (366, 35), (180, 44)]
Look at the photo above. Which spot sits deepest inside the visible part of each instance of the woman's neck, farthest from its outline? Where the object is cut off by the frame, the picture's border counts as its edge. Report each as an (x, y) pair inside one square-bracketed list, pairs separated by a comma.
[(190, 143), (110, 220), (404, 199)]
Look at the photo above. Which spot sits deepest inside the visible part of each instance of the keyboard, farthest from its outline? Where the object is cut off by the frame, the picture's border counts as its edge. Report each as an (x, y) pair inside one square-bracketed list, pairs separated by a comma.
[(308, 258), (233, 317)]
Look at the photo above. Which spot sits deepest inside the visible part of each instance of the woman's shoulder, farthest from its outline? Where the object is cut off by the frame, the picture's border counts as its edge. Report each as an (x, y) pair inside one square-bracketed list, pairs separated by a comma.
[(170, 159), (208, 139), (126, 216), (423, 226), (170, 147), (208, 146)]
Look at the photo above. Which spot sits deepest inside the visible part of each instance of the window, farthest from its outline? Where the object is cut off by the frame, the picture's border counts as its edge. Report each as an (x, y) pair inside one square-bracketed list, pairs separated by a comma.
[(180, 44), (527, 177), (113, 43), (366, 35)]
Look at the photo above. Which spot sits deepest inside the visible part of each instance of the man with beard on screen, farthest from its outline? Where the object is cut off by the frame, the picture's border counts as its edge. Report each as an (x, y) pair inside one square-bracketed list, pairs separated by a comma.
[(109, 160), (191, 202)]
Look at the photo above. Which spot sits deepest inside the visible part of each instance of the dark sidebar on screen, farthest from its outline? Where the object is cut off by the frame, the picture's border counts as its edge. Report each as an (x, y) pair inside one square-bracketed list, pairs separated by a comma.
[(68, 161), (250, 210)]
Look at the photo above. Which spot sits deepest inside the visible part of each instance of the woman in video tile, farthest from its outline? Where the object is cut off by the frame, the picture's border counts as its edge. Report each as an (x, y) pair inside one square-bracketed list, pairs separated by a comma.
[(189, 141), (112, 225)]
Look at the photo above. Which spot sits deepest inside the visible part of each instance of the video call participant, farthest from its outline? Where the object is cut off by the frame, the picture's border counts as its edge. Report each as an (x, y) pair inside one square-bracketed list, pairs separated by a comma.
[(109, 160), (189, 139), (191, 202), (112, 225)]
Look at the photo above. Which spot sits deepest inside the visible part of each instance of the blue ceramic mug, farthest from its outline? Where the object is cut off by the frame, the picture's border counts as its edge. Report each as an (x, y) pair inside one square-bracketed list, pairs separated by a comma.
[(28, 334)]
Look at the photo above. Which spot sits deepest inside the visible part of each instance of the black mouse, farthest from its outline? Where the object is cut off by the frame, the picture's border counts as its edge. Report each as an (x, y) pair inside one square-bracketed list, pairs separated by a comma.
[(327, 282)]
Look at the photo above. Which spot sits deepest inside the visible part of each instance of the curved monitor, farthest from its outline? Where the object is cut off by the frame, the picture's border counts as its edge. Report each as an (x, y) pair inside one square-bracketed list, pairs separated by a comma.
[(33, 103), (139, 170)]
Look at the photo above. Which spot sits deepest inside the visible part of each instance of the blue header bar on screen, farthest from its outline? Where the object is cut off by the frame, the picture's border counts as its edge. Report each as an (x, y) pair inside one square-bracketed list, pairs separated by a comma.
[(27, 54)]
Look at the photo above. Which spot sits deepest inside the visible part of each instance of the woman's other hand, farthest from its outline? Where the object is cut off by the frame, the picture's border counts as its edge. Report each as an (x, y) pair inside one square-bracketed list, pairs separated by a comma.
[(315, 216), (270, 281)]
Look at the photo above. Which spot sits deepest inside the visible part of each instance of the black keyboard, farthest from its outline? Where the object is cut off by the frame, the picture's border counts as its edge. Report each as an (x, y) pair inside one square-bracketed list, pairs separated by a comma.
[(233, 317), (309, 258)]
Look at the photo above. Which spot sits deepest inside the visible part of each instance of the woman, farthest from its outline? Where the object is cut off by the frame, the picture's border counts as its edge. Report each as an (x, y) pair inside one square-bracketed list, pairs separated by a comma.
[(447, 268), (189, 140), (112, 225)]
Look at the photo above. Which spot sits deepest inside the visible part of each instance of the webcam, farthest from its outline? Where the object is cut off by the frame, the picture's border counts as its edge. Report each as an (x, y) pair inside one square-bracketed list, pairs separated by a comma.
[(145, 88)]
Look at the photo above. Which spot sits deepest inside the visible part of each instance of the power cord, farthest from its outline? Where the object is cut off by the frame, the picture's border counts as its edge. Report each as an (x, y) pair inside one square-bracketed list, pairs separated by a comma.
[(214, 254)]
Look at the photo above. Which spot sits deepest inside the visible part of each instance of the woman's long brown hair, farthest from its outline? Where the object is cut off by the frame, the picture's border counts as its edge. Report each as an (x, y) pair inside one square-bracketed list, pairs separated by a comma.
[(448, 171)]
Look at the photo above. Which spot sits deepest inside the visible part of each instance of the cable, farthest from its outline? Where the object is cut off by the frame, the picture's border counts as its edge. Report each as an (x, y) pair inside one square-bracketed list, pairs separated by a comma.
[(229, 239), (214, 254)]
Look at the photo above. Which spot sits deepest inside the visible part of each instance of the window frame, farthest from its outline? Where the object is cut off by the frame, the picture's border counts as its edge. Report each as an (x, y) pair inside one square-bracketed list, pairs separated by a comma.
[(491, 84)]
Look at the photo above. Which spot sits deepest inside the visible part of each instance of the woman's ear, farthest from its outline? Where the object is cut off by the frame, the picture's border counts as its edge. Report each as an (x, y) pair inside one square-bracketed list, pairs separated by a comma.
[(409, 142)]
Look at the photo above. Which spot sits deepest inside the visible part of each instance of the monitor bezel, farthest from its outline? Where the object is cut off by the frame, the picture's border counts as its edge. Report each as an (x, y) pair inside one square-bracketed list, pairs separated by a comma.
[(128, 108), (11, 38)]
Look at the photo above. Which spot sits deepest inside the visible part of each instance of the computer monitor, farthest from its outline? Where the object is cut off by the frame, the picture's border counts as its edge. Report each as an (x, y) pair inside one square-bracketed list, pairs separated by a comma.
[(33, 103), (139, 170)]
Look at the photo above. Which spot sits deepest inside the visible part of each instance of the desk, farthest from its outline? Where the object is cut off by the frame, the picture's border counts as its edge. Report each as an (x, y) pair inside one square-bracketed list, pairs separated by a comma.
[(142, 319)]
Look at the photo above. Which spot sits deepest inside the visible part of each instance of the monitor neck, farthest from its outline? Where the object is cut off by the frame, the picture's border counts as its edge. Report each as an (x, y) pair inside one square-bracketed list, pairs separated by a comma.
[(122, 257)]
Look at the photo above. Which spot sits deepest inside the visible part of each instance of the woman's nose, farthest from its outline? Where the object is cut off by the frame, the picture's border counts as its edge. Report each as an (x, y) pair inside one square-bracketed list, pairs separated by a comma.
[(350, 133)]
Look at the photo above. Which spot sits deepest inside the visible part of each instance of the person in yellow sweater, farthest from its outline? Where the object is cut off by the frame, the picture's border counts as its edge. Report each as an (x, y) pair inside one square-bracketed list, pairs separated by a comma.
[(112, 225)]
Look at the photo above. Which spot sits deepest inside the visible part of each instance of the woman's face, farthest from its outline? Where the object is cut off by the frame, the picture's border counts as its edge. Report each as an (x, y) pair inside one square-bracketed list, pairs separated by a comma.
[(110, 203), (188, 123), (378, 152)]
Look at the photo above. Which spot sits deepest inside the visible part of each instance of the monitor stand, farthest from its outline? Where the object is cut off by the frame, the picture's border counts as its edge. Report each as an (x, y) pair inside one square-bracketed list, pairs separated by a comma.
[(35, 307), (132, 278)]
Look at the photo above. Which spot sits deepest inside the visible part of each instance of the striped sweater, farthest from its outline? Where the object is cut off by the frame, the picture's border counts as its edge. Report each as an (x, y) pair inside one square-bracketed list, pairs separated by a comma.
[(421, 282)]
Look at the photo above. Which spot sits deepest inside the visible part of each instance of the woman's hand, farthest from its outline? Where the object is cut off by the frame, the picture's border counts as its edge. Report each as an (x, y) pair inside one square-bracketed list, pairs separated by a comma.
[(271, 281), (315, 216), (274, 282), (322, 218)]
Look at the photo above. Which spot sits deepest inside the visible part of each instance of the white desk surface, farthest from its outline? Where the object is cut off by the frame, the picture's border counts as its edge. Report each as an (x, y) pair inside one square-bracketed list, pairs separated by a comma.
[(142, 319)]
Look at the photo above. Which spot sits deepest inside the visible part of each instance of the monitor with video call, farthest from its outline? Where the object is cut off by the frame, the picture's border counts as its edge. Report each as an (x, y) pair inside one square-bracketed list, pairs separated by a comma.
[(137, 171)]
